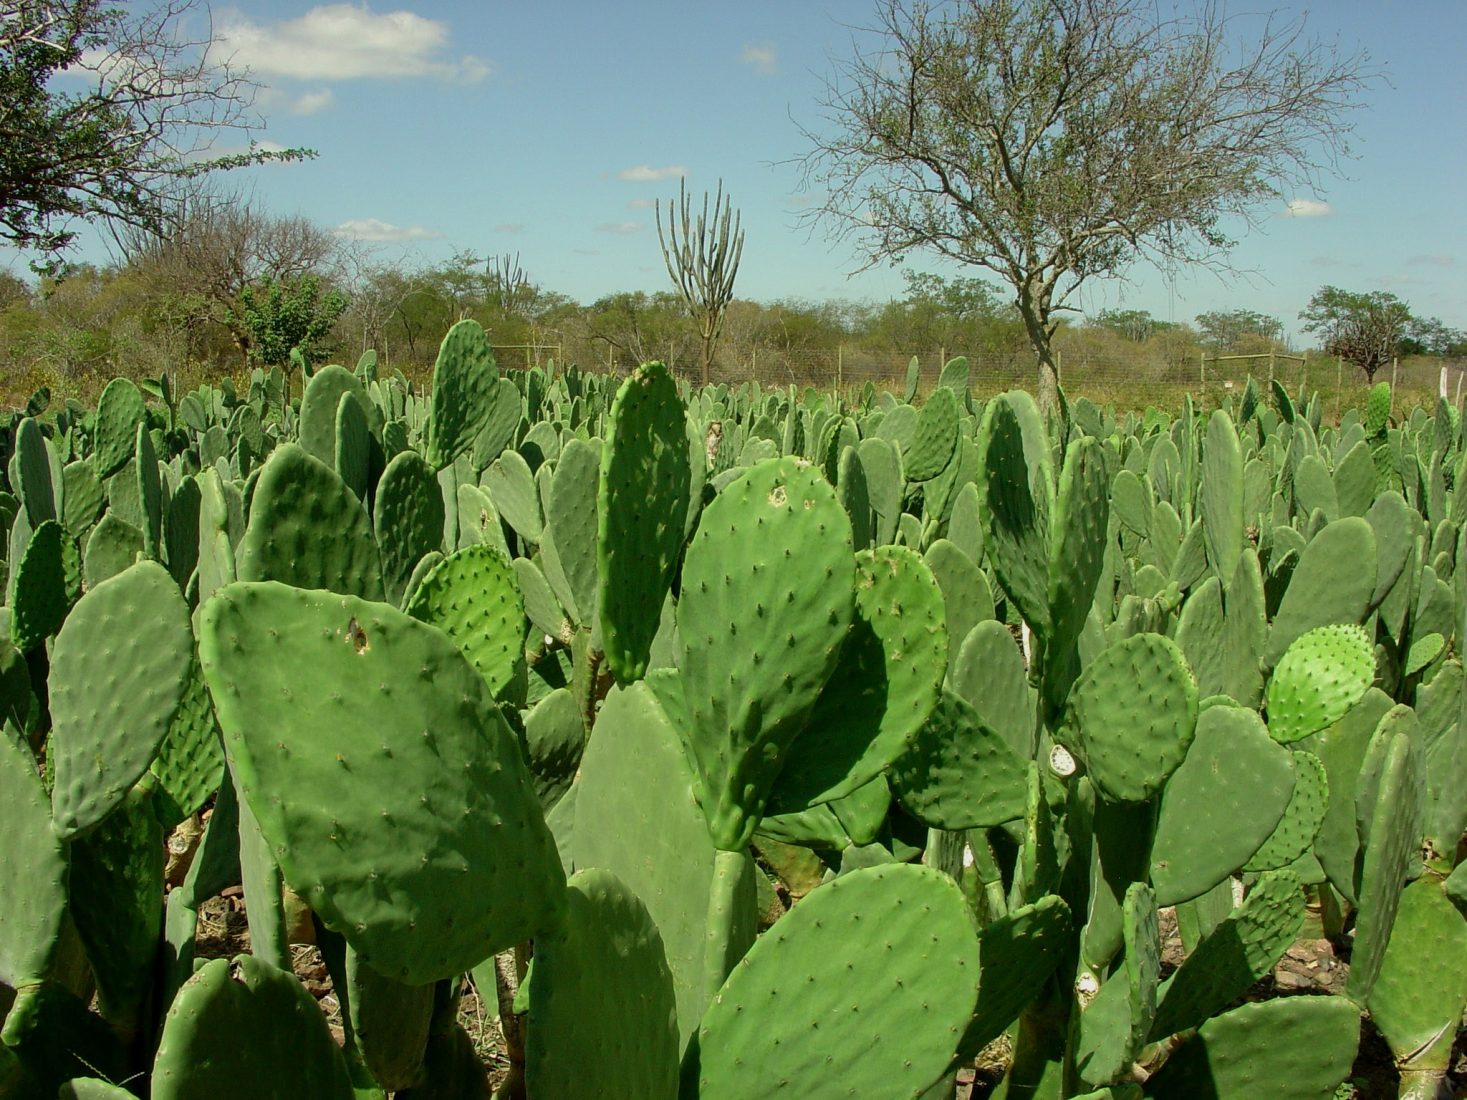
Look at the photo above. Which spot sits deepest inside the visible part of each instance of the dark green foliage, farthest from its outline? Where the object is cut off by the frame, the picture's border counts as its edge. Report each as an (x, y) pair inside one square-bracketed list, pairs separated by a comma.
[(289, 315)]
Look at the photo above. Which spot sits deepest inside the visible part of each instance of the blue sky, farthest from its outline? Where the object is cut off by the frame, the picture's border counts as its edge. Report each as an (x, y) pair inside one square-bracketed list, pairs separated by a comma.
[(547, 129)]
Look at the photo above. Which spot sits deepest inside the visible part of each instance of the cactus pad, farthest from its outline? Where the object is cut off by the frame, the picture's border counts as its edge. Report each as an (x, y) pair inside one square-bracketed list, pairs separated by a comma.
[(1301, 1047), (471, 596), (39, 595), (308, 529), (1222, 495), (884, 688), (1017, 953), (408, 519), (958, 773), (1419, 996), (555, 737), (120, 410), (636, 817), (1296, 830), (1019, 503), (601, 996), (875, 954), (1239, 951), (241, 1029), (1320, 677), (1377, 410), (1132, 715), (1332, 583), (936, 438), (422, 843), (571, 512), (644, 486), (190, 760), (464, 379), (115, 882), (1393, 808), (33, 873), (1220, 806), (1078, 540), (114, 692), (767, 601)]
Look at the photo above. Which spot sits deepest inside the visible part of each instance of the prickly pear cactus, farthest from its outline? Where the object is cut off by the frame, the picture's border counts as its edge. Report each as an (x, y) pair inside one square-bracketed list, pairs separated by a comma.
[(1242, 949), (884, 688), (845, 985), (644, 486), (233, 1030), (1378, 410), (1132, 716), (33, 875), (1421, 990), (635, 816), (1303, 1046), (423, 842), (1320, 676), (1220, 806), (308, 529), (471, 596), (601, 995), (113, 703), (464, 378), (767, 600)]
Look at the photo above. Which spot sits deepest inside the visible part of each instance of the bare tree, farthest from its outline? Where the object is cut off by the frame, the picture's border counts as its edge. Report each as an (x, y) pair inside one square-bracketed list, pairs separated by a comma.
[(1051, 141), (703, 261), (209, 243)]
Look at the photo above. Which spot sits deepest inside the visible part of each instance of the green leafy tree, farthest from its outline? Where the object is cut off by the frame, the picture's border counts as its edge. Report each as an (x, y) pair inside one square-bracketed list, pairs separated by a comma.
[(1429, 336), (1134, 324), (1054, 141), (290, 315), (1230, 329), (149, 102), (961, 314), (1362, 328)]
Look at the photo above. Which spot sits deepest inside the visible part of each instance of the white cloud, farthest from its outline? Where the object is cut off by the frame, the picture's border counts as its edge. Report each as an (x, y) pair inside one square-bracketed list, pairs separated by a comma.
[(641, 204), (343, 42), (1308, 208), (1431, 261), (619, 228), (510, 227), (643, 173), (374, 229), (762, 58), (311, 102)]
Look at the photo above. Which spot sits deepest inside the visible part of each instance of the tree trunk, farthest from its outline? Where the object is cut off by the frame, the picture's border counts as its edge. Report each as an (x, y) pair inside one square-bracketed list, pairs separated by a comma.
[(707, 357), (1047, 392)]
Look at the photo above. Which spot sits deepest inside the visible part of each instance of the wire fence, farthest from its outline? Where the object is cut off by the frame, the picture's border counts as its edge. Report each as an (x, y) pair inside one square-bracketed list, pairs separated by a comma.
[(1126, 379), (1128, 382)]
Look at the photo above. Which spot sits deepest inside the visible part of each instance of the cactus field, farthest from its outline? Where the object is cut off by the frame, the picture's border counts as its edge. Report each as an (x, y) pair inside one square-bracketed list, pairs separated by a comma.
[(727, 743)]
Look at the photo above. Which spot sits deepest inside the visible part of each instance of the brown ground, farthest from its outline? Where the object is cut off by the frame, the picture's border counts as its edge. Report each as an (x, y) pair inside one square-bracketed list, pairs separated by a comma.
[(1311, 966)]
